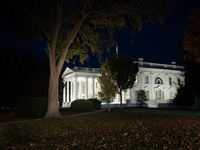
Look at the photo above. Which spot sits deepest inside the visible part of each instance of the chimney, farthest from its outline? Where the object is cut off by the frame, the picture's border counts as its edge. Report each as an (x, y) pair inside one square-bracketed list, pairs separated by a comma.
[(140, 59), (173, 63)]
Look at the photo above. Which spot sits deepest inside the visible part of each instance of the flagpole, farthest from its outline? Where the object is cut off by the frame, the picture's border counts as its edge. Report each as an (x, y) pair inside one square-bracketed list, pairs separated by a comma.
[(117, 49)]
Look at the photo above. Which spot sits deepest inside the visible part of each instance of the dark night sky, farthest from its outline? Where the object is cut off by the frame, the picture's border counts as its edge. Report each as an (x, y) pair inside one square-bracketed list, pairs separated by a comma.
[(155, 43)]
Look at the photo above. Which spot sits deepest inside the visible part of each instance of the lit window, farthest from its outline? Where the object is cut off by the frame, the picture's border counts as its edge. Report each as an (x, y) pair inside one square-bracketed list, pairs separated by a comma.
[(146, 80), (136, 79)]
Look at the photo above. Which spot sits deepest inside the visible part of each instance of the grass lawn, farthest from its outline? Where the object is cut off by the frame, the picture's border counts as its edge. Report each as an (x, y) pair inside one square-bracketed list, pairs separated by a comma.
[(131, 128), (6, 115)]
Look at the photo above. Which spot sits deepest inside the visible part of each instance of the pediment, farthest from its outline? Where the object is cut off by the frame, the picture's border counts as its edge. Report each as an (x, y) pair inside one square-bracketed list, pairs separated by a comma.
[(67, 71), (159, 86)]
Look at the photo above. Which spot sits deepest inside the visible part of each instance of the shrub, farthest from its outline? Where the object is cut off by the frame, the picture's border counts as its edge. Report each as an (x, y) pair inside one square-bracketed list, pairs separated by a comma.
[(81, 105), (31, 108), (96, 103), (141, 97)]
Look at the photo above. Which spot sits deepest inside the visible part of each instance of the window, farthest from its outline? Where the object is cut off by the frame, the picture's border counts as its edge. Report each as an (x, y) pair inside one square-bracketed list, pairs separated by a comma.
[(170, 81), (159, 94), (158, 81), (146, 79), (136, 79)]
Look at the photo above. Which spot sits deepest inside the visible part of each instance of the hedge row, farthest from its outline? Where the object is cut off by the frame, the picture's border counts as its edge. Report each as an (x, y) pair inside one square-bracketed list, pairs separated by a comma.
[(85, 105), (31, 108), (96, 103), (35, 107)]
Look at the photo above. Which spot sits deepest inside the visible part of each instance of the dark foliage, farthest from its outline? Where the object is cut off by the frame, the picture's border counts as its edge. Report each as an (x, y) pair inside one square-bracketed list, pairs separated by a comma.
[(22, 75), (183, 97), (81, 105), (125, 71), (141, 97), (96, 103), (31, 108)]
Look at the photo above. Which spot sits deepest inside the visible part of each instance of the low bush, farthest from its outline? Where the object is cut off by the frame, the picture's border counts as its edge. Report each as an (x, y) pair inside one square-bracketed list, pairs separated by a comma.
[(81, 105), (31, 108), (96, 103)]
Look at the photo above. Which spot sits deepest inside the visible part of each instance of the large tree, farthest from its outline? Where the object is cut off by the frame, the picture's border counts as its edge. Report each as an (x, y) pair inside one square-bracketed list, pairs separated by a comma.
[(108, 87), (23, 76), (191, 37), (191, 47), (124, 72), (72, 27)]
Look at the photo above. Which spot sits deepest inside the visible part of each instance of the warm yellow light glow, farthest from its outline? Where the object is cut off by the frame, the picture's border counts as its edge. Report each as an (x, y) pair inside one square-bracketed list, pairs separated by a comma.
[(136, 79)]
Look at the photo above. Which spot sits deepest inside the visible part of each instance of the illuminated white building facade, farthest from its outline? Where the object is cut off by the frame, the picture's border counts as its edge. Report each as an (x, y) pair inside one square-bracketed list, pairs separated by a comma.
[(158, 81)]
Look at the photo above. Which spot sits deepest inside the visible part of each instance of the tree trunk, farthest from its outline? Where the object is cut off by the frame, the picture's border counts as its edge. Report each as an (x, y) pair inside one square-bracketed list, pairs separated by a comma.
[(198, 103), (120, 99), (53, 105), (109, 107)]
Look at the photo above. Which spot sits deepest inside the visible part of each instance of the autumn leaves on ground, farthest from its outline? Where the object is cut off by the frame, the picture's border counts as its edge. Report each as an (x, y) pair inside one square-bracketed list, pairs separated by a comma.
[(129, 128)]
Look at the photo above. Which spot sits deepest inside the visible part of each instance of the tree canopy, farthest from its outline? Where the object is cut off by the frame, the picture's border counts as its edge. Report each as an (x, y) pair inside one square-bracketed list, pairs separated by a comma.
[(191, 37), (22, 76), (108, 88), (184, 97), (72, 27), (124, 72)]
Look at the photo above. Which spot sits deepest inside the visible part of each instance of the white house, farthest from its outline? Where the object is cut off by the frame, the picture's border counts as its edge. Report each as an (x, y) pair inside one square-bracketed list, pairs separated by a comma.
[(158, 80)]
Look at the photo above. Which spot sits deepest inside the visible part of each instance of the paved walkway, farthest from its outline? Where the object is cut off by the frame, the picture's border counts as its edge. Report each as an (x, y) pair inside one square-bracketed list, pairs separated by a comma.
[(64, 117)]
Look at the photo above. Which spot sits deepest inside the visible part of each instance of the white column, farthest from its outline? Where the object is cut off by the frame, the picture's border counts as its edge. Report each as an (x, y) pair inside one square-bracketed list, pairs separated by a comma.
[(67, 90), (150, 86), (123, 96), (166, 84), (152, 81), (93, 87), (133, 100), (128, 94), (71, 88), (141, 80), (86, 88), (80, 92), (64, 100), (75, 88)]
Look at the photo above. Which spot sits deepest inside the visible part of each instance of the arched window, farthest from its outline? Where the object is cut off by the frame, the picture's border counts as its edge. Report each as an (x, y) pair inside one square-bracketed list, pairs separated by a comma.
[(158, 81)]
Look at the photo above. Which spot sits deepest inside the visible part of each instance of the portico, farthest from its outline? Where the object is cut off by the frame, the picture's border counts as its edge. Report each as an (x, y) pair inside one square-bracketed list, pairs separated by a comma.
[(79, 83)]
